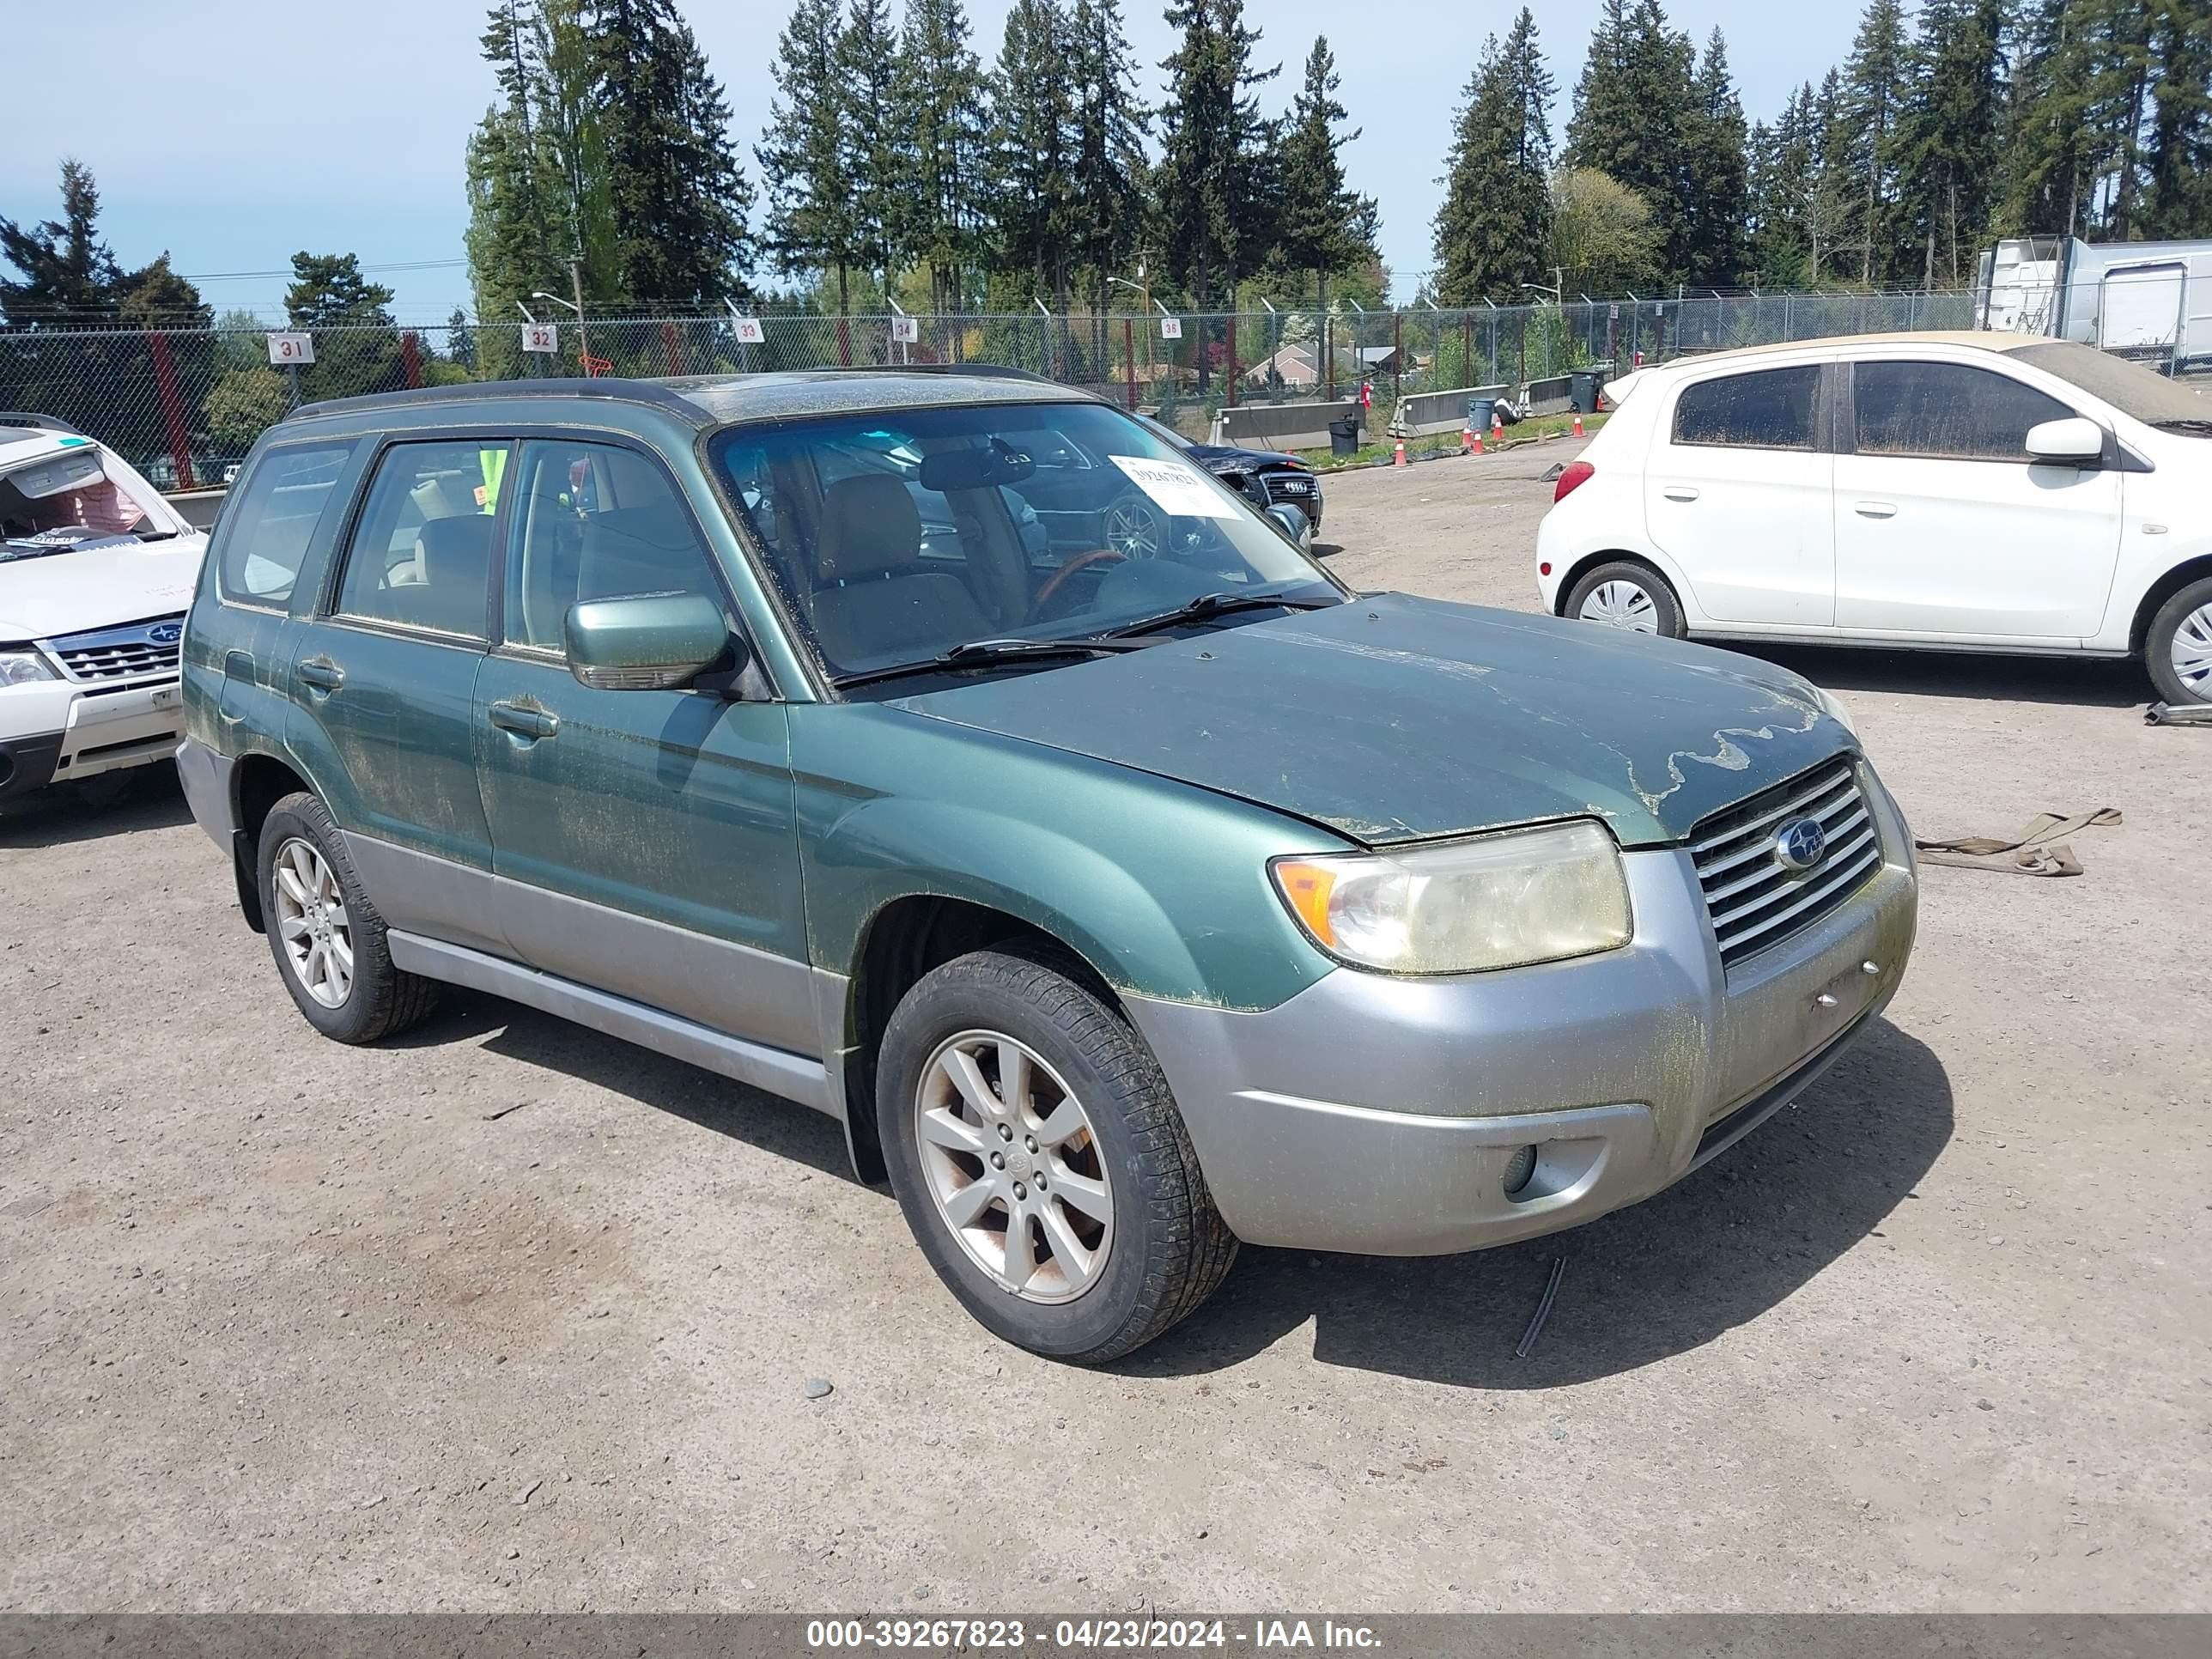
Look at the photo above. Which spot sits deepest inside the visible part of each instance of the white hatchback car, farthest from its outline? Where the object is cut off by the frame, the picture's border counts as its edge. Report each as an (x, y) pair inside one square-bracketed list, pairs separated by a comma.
[(1969, 492), (95, 572)]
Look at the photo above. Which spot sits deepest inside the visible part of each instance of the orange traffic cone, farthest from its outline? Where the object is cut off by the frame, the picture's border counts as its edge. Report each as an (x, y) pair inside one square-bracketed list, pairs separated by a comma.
[(1578, 423), (1476, 447), (1399, 460), (1466, 440), (1497, 424)]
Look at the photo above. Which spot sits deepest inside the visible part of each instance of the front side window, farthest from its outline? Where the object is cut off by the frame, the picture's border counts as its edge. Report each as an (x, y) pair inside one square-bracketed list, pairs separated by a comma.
[(896, 538), (272, 522), (1771, 408), (594, 521), (422, 554), (1947, 412)]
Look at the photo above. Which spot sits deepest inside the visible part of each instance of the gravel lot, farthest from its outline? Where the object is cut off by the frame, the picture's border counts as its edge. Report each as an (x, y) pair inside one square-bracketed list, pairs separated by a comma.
[(507, 1316)]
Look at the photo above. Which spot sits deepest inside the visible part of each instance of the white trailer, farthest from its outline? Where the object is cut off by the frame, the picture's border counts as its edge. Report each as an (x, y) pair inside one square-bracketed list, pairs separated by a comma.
[(2151, 300)]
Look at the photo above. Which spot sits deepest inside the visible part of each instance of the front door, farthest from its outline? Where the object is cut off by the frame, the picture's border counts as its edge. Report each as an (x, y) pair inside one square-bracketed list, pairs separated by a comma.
[(383, 688), (1736, 493), (1944, 528), (644, 842)]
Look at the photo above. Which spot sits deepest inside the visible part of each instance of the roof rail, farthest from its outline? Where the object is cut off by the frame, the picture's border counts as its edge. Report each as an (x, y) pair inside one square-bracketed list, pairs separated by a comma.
[(611, 387), (36, 422), (979, 371)]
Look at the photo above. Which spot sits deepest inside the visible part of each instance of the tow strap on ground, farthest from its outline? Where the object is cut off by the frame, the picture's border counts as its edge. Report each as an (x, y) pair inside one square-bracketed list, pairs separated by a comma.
[(2036, 851), (2166, 713)]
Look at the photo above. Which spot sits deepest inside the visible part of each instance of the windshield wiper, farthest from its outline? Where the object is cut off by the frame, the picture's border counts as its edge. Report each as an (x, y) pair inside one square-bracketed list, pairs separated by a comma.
[(981, 653), (2184, 424), (1206, 606)]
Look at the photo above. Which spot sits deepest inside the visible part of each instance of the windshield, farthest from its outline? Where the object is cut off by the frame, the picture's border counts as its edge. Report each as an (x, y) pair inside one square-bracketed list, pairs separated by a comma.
[(58, 502), (896, 538), (2129, 387)]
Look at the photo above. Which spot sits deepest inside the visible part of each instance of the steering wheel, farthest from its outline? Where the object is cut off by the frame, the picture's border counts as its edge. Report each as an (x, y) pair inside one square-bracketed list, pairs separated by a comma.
[(1058, 580)]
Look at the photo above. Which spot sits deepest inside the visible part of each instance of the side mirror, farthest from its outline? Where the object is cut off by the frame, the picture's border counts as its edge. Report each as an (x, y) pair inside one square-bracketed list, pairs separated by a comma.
[(1292, 524), (2074, 441), (649, 642)]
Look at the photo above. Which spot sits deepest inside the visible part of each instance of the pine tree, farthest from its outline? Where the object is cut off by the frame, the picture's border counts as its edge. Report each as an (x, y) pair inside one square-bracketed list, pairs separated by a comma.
[(521, 228), (676, 191), (1717, 190), (1634, 106), (875, 162), (2179, 161), (1493, 231), (1323, 224), (940, 97), (1214, 186), (69, 277), (1033, 141), (1875, 82), (460, 339), (2117, 33), (356, 348), (1784, 172), (811, 224), (1106, 202), (1948, 135)]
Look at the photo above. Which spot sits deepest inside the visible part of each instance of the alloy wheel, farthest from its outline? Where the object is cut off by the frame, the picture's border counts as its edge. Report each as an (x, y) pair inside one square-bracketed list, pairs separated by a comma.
[(312, 922), (1620, 604), (1012, 1164), (2192, 652), (1133, 528)]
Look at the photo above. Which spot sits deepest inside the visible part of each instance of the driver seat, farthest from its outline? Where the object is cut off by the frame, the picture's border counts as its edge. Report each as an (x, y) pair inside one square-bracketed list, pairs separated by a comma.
[(874, 598)]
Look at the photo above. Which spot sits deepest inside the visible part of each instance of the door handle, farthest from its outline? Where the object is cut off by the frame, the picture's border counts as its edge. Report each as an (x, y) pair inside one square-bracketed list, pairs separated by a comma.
[(1679, 492), (1876, 509), (321, 674), (518, 720)]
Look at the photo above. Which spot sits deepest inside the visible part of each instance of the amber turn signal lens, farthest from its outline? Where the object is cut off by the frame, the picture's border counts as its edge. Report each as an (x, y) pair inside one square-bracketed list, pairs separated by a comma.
[(1307, 886)]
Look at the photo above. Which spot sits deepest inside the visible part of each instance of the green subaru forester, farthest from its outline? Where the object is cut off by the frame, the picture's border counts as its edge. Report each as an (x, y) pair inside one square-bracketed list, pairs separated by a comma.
[(944, 752)]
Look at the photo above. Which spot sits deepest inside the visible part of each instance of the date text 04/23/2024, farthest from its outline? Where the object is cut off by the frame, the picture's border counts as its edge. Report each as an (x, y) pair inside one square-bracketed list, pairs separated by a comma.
[(1089, 1635)]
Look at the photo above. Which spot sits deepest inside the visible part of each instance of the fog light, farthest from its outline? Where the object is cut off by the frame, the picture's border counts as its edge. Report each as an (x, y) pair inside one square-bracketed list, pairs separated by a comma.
[(1518, 1168)]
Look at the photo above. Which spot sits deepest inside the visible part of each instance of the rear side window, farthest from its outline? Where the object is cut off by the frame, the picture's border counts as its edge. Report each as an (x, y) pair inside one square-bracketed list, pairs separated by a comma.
[(1946, 410), (1771, 408), (422, 554), (272, 523)]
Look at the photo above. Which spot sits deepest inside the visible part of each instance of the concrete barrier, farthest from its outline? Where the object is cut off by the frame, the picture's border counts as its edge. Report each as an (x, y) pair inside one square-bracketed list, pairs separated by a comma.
[(1426, 413), (1279, 426), (197, 506)]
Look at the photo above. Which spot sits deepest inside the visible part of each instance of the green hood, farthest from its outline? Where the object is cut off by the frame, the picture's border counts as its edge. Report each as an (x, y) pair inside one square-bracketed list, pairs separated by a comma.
[(1396, 719)]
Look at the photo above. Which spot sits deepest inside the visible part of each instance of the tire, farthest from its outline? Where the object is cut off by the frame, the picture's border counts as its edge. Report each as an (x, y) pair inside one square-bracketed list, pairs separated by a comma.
[(1633, 592), (299, 845), (2177, 646), (1133, 526), (1160, 1248)]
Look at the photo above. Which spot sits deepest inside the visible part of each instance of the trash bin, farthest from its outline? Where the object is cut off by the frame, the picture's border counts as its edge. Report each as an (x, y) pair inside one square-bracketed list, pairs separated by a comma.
[(1584, 385), (1344, 436), (1478, 412)]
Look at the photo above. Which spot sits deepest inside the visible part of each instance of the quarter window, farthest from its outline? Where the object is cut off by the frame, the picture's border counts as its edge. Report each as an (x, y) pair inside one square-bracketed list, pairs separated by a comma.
[(1946, 410), (1770, 410), (273, 522), (594, 521), (422, 554)]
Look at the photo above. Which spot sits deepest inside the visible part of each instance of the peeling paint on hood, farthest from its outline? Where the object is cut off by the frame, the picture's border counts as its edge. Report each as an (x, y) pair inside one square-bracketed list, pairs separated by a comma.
[(1397, 719)]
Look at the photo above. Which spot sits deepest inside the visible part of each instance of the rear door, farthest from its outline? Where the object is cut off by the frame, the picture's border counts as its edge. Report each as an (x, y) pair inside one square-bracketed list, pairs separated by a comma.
[(645, 842), (1737, 493), (1944, 529), (383, 686)]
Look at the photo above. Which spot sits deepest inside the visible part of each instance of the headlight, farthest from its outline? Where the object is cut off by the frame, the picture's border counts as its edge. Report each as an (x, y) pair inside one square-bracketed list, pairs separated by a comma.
[(1496, 900), (21, 667), (1834, 710)]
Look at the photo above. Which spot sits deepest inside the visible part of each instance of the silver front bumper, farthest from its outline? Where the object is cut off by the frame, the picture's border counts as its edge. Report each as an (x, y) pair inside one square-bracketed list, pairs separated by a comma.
[(1378, 1115)]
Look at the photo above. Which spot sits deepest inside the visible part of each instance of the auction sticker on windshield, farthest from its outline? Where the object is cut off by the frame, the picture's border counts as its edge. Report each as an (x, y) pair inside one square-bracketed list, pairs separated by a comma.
[(1176, 489)]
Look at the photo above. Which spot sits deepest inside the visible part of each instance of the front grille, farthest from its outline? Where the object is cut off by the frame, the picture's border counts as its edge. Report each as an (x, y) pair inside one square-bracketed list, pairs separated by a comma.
[(1753, 899), (122, 654), (1288, 486)]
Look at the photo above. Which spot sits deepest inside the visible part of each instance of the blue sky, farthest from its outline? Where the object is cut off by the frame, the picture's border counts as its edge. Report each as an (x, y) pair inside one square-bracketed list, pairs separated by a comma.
[(236, 132)]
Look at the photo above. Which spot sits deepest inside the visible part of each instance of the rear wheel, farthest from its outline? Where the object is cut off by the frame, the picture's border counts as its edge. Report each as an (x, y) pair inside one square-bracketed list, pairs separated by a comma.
[(2178, 649), (1041, 1161), (1626, 595), (326, 936)]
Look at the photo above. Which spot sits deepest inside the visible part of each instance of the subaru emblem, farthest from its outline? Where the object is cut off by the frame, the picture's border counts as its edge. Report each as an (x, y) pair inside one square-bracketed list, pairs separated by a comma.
[(1799, 844), (168, 633)]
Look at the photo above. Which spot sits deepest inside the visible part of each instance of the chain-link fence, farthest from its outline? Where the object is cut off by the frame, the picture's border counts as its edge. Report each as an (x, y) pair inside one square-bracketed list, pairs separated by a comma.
[(185, 405)]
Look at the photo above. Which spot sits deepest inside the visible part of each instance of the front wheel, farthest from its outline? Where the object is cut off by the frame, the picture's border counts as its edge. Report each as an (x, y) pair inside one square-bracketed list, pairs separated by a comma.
[(2178, 649), (1041, 1161), (1628, 595)]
